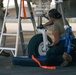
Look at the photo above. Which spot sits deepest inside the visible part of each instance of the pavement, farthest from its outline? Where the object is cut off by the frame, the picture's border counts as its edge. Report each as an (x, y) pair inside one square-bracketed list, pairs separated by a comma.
[(7, 67)]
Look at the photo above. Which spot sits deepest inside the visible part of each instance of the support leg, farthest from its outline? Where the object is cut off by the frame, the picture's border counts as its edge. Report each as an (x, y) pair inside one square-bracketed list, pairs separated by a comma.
[(32, 16)]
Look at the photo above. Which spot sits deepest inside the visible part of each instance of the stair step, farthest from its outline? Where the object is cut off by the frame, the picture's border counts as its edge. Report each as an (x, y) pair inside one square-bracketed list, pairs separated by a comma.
[(5, 34)]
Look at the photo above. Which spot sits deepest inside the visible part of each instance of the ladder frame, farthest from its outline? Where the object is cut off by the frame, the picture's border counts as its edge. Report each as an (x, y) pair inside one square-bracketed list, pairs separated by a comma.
[(19, 29)]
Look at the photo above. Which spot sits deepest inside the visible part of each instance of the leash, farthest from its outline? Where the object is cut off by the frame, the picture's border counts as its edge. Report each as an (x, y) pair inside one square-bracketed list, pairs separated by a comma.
[(44, 67)]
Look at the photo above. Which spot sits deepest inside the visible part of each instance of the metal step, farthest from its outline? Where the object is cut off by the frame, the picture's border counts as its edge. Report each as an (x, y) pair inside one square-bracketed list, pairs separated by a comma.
[(5, 34), (5, 48), (11, 19)]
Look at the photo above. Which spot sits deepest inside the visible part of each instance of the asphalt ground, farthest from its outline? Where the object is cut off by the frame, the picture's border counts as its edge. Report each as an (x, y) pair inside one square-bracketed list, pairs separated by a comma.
[(7, 68)]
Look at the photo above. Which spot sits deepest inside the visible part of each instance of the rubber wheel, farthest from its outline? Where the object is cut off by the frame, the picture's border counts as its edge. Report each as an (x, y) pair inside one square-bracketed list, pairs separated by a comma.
[(36, 44)]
